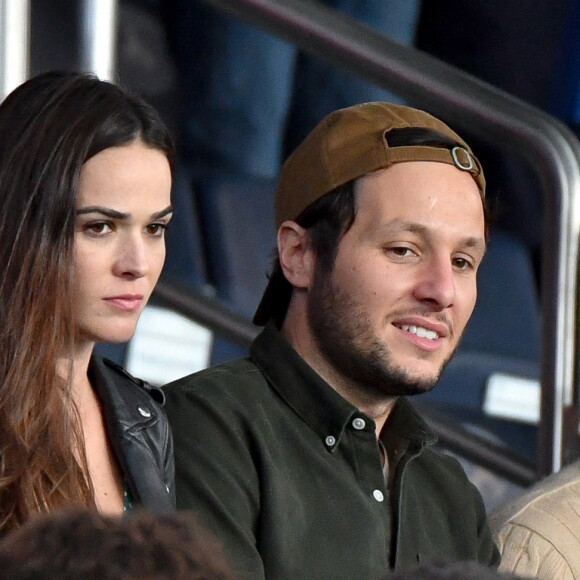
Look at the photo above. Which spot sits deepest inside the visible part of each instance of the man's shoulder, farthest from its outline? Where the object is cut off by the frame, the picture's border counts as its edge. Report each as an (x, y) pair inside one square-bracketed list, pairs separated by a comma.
[(237, 369), (549, 506), (241, 375), (537, 532)]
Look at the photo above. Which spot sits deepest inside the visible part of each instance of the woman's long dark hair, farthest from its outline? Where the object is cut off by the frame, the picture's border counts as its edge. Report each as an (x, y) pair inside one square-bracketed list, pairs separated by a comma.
[(49, 127)]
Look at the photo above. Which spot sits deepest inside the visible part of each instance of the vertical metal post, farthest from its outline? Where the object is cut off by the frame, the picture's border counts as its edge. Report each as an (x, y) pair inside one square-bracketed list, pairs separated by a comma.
[(14, 44), (99, 37)]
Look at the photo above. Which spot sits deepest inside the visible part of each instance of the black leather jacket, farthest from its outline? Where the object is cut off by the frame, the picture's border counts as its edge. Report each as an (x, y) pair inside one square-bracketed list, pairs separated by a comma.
[(138, 432)]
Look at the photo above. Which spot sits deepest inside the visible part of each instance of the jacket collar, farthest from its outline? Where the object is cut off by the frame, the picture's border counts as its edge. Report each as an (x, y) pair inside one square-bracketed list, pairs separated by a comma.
[(128, 411), (124, 409), (319, 405)]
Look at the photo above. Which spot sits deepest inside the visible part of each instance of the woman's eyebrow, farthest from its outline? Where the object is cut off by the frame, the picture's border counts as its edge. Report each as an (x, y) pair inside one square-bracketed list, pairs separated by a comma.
[(114, 214), (106, 211), (162, 213)]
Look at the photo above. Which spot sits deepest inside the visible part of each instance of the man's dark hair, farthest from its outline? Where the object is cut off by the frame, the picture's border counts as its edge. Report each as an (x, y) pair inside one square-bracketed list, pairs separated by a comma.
[(327, 220)]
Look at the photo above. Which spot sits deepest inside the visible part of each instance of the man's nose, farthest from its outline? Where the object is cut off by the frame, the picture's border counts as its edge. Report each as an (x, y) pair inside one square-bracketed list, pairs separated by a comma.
[(436, 285)]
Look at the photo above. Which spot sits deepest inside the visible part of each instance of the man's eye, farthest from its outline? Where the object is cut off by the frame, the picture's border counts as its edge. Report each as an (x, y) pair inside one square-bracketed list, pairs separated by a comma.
[(461, 263), (401, 252)]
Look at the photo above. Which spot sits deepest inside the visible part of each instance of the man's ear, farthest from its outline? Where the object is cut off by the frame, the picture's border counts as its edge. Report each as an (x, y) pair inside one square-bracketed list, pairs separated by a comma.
[(296, 255)]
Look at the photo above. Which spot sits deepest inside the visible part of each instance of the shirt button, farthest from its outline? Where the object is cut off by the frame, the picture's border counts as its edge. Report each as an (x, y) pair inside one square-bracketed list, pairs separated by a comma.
[(358, 423), (378, 495), (145, 412), (330, 441)]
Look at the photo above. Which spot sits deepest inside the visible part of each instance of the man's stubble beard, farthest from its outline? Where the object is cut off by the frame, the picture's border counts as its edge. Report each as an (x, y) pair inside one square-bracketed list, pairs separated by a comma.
[(344, 335)]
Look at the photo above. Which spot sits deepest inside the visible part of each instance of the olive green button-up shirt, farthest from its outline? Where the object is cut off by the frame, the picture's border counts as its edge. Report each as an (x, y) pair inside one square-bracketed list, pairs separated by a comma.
[(288, 475)]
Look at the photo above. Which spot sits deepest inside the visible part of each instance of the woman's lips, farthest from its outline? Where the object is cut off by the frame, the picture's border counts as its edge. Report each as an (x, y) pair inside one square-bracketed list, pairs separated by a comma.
[(127, 302)]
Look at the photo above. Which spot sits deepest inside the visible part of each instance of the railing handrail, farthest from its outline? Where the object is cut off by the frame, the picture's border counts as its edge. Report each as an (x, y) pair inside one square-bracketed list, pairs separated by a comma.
[(206, 311), (546, 143)]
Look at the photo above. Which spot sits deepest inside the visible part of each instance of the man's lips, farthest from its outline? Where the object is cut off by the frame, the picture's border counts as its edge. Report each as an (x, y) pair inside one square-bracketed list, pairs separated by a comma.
[(423, 328), (127, 302)]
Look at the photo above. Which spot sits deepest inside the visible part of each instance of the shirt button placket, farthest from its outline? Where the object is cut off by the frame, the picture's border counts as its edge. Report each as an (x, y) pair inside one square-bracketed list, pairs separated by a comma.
[(358, 423)]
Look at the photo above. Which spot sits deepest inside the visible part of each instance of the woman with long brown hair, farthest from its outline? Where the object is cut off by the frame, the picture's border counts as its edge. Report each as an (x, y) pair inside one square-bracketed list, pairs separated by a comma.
[(85, 195)]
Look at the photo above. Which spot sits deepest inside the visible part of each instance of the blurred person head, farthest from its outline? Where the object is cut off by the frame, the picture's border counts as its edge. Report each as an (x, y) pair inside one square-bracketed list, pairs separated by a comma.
[(84, 544), (77, 156)]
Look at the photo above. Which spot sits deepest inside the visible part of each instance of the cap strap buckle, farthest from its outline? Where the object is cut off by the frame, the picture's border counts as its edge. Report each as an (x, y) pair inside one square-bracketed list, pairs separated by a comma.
[(461, 164)]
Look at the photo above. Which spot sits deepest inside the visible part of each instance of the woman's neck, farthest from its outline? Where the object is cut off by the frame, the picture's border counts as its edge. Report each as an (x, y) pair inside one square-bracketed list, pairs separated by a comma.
[(74, 370)]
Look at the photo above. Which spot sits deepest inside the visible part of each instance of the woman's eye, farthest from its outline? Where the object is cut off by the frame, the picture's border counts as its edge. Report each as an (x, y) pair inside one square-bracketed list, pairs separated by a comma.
[(98, 228), (156, 230)]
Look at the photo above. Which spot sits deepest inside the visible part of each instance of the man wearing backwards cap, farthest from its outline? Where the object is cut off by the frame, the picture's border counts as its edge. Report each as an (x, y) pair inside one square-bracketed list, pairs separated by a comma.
[(306, 459)]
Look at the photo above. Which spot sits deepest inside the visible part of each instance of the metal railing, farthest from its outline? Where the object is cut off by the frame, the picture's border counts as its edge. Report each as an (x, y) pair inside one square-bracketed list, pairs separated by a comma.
[(98, 23), (14, 44), (99, 37), (206, 311)]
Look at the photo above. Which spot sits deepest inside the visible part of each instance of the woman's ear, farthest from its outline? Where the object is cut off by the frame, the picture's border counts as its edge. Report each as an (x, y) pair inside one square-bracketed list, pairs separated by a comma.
[(296, 256)]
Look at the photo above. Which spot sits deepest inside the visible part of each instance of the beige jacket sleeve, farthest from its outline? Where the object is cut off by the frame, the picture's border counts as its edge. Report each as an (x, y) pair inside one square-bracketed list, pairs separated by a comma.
[(538, 534)]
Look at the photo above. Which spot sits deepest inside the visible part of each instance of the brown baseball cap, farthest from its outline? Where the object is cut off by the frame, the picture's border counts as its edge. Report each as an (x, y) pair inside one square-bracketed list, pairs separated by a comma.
[(346, 145)]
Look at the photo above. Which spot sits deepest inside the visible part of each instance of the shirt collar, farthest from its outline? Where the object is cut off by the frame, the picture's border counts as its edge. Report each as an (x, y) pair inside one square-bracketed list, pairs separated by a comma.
[(317, 403), (405, 422)]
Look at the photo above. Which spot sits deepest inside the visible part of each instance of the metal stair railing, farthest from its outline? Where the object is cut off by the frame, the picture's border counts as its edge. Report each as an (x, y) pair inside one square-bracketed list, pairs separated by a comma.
[(98, 33), (99, 37), (14, 44)]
